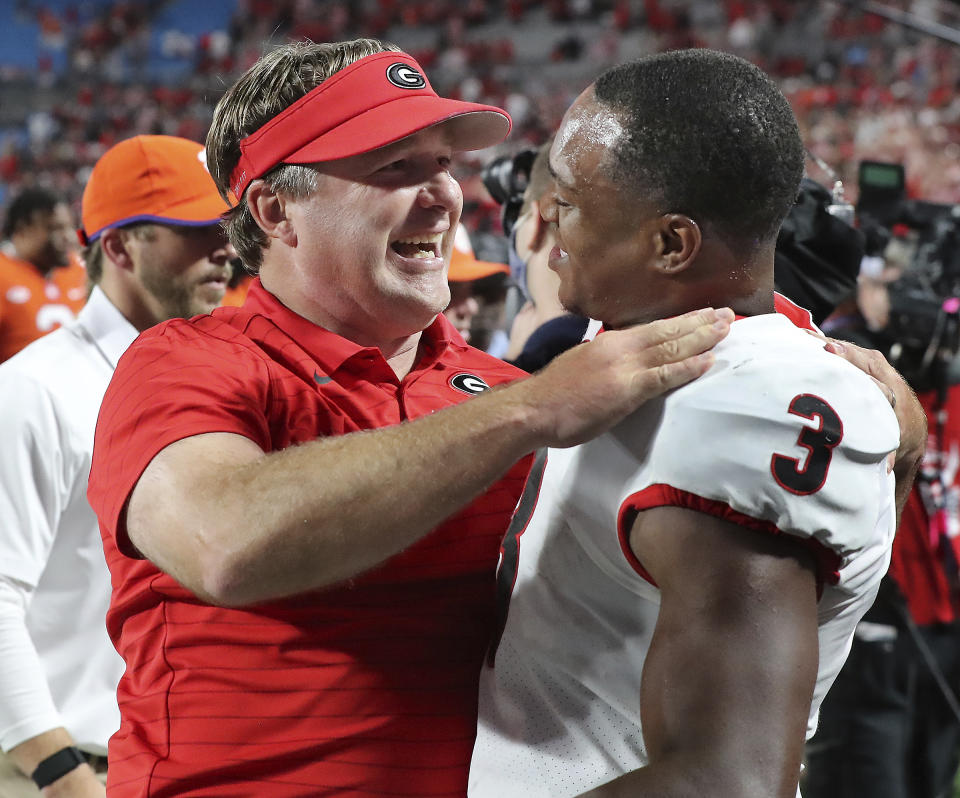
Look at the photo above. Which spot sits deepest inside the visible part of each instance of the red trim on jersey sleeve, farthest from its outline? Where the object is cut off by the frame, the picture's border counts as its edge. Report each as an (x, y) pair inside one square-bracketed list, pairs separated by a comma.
[(828, 561)]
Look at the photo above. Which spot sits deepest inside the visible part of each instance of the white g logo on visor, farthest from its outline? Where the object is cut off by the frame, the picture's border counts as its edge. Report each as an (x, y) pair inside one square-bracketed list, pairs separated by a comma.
[(404, 76)]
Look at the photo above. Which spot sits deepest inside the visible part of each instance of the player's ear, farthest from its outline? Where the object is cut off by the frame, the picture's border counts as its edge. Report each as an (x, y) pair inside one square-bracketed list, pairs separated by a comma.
[(113, 242), (269, 210), (678, 242)]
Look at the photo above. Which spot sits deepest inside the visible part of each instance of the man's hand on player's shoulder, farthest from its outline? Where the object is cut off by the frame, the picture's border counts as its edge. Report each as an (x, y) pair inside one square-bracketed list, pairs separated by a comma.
[(591, 387), (910, 413)]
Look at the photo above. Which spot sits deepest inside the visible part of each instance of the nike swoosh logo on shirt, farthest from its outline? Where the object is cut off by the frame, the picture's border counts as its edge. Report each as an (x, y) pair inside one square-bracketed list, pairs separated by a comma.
[(320, 379)]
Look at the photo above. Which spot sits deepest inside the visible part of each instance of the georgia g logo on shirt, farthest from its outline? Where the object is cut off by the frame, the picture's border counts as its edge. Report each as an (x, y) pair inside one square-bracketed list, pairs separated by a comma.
[(469, 384)]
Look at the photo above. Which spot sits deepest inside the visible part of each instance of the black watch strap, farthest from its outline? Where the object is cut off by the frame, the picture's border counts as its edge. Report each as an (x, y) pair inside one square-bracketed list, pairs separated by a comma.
[(57, 766)]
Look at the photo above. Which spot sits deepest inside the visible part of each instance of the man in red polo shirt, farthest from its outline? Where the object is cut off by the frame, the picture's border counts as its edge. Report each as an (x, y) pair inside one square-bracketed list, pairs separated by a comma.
[(302, 602)]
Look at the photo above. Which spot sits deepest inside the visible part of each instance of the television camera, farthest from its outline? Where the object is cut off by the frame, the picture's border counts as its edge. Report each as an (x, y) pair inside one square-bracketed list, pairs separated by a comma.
[(924, 321)]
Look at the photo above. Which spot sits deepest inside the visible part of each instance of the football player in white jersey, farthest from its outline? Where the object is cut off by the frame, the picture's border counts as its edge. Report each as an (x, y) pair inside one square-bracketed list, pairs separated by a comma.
[(677, 595)]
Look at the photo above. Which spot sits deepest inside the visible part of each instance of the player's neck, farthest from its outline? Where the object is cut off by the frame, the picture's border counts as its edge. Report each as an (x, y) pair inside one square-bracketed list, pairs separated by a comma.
[(738, 276)]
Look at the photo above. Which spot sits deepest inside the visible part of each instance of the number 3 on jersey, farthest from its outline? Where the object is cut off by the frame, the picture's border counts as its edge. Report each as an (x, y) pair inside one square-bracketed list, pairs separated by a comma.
[(819, 441)]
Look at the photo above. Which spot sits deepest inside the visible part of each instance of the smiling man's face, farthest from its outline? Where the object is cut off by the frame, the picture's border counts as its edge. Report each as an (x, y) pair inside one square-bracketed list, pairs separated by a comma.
[(374, 240)]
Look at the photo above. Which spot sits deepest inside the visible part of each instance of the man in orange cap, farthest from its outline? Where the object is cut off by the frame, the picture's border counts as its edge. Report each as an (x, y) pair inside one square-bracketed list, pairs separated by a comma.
[(471, 280), (300, 509), (42, 283), (155, 250)]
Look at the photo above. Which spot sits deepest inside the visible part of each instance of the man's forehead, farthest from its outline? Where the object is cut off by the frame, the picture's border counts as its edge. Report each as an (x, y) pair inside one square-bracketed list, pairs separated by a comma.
[(440, 135), (589, 121), (436, 137), (589, 129)]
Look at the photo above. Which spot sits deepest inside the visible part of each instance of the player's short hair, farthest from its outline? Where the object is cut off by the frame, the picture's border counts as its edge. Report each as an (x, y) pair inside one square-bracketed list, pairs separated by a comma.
[(540, 177), (27, 203), (707, 134), (277, 80), (93, 260), (93, 253)]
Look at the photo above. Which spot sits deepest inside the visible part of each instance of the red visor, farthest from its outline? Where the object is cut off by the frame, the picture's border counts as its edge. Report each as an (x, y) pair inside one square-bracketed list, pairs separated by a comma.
[(373, 102)]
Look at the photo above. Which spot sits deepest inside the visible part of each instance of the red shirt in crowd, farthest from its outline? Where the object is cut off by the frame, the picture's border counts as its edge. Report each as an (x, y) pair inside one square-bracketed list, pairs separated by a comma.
[(927, 546), (366, 688)]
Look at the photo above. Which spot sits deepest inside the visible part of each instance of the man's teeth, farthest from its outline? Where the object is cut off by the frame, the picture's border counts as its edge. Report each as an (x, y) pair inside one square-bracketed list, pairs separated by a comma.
[(426, 247), (563, 252)]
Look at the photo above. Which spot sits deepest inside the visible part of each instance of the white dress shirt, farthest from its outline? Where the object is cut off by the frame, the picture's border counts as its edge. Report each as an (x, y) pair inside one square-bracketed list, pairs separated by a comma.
[(57, 664)]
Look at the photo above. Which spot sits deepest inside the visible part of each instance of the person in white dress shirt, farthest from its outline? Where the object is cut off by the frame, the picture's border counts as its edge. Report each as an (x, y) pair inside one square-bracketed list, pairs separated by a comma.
[(155, 250)]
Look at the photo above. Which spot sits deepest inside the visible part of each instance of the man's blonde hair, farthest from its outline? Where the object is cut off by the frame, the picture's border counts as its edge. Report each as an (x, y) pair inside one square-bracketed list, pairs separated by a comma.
[(276, 81)]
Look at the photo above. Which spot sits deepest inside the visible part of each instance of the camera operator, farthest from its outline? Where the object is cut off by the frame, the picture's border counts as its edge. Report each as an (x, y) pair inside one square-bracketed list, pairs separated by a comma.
[(541, 329), (890, 727)]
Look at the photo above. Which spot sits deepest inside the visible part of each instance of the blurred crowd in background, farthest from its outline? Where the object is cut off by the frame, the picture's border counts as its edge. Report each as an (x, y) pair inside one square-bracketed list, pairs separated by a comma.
[(79, 76), (76, 76)]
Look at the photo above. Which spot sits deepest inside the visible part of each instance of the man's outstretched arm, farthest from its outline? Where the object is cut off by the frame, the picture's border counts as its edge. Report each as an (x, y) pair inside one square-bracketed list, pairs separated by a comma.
[(237, 526)]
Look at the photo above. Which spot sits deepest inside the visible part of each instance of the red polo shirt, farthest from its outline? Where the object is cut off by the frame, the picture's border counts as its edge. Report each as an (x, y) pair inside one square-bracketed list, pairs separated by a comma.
[(367, 688)]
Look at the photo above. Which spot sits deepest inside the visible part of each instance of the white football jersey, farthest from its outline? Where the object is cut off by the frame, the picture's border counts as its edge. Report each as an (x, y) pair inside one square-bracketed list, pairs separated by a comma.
[(779, 435)]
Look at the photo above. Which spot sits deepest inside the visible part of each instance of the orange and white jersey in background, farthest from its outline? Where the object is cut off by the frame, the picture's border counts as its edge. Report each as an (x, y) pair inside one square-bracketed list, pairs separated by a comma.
[(32, 305)]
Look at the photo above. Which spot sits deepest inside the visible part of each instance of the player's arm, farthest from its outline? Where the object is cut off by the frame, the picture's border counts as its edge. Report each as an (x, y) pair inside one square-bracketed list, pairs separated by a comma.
[(238, 526), (728, 680)]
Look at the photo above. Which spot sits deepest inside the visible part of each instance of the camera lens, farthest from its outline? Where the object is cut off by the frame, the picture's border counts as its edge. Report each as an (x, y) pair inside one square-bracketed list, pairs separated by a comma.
[(497, 177), (506, 178)]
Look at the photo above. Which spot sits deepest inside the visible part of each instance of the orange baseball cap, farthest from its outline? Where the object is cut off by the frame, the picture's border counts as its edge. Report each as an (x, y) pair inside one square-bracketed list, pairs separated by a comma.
[(464, 266), (150, 179)]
